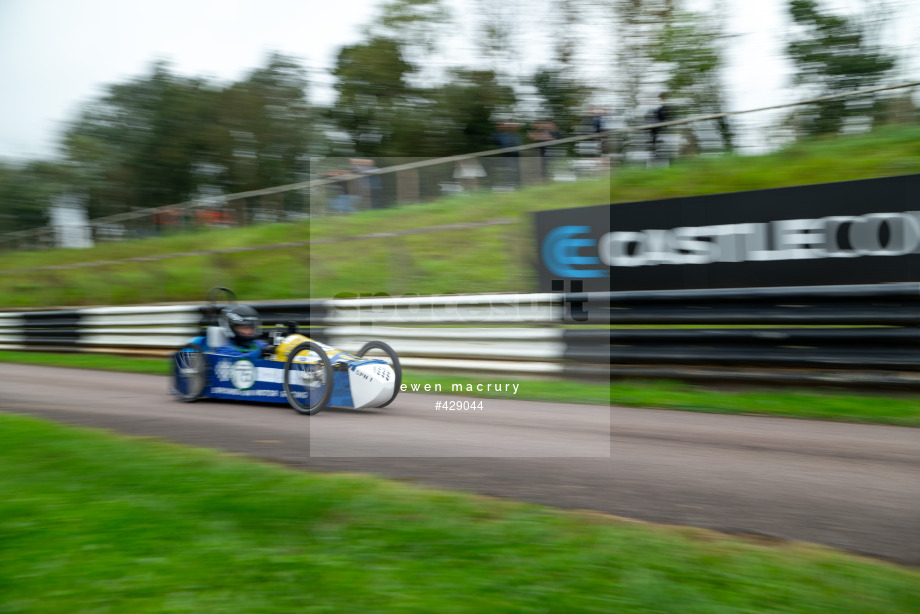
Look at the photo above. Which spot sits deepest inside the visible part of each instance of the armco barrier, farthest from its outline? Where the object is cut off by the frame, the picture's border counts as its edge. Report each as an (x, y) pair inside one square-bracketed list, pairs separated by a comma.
[(864, 335)]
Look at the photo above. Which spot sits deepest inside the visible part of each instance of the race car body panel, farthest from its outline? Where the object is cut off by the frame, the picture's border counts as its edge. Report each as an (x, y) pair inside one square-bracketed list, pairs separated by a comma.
[(291, 368), (358, 382), (371, 383)]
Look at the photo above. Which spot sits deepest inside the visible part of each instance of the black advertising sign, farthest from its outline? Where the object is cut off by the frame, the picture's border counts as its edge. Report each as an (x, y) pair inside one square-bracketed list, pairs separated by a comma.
[(853, 232)]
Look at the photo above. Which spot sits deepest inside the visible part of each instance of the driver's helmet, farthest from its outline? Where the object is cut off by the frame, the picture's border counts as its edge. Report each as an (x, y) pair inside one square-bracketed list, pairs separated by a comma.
[(241, 323), (288, 344)]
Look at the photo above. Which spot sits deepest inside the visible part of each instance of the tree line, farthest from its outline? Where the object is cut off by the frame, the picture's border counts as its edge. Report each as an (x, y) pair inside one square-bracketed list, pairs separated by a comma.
[(163, 138)]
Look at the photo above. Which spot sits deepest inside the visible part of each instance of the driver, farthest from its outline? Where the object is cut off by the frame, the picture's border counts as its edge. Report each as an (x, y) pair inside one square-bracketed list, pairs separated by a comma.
[(243, 327)]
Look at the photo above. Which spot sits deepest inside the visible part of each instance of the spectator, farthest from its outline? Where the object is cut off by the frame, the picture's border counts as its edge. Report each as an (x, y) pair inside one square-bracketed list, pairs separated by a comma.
[(592, 123), (596, 119), (166, 220), (371, 186), (507, 134), (544, 130), (660, 114), (207, 217), (339, 199)]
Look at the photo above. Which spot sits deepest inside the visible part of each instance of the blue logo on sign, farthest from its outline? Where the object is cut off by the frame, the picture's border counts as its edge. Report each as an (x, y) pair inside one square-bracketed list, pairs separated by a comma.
[(560, 252)]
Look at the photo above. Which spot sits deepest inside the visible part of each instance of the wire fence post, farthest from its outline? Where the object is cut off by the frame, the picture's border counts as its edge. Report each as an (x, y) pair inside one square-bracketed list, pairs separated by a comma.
[(531, 168), (407, 186)]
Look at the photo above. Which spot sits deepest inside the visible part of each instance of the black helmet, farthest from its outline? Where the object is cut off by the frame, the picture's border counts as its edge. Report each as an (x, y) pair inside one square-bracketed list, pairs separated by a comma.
[(241, 323)]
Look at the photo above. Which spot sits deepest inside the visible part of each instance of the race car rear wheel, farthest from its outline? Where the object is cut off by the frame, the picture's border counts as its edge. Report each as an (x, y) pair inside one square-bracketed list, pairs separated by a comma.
[(394, 360), (308, 385), (190, 372)]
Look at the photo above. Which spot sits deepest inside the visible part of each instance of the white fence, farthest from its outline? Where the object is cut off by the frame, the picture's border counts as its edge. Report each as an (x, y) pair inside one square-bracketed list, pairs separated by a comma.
[(843, 335), (343, 323)]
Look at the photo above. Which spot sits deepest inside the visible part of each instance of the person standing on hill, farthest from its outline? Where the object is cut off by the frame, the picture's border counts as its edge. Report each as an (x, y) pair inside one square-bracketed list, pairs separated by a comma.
[(660, 114)]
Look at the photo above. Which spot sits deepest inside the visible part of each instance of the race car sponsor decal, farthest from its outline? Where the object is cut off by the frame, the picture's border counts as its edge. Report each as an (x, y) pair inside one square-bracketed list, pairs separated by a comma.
[(260, 392), (243, 374), (222, 370), (270, 375)]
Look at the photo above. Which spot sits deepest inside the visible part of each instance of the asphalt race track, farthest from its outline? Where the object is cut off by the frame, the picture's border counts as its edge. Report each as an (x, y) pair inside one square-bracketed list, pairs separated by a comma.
[(854, 487)]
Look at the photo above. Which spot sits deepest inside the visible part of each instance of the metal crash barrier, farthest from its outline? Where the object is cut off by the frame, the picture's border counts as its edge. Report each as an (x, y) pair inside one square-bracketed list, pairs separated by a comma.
[(865, 335)]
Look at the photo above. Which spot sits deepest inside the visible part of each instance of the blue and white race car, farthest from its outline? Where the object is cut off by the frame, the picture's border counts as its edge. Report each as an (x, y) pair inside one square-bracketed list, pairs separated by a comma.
[(300, 371)]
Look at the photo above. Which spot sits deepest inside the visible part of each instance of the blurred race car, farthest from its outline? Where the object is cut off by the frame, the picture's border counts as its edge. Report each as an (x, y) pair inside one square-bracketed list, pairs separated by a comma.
[(295, 369)]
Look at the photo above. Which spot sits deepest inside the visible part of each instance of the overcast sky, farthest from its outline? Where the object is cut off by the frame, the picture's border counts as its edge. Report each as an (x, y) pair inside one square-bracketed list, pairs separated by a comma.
[(57, 54)]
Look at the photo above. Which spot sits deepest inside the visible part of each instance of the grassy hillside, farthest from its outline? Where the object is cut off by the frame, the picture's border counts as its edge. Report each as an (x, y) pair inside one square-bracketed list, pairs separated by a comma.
[(492, 259)]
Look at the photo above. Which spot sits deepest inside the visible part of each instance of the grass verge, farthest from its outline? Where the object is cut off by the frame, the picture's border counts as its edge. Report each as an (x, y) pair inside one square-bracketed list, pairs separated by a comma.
[(831, 405), (494, 259), (103, 523), (102, 362)]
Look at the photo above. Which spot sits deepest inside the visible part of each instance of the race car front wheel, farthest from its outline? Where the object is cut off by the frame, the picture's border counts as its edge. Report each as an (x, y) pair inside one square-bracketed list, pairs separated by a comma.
[(308, 378), (189, 372), (380, 346)]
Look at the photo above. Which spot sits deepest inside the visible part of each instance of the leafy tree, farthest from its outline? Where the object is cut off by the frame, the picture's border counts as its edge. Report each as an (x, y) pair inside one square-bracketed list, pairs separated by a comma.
[(499, 36), (380, 108), (264, 129), (463, 117), (833, 55), (27, 190), (639, 25), (162, 138), (137, 146), (563, 97), (371, 83), (417, 24), (689, 46), (23, 206)]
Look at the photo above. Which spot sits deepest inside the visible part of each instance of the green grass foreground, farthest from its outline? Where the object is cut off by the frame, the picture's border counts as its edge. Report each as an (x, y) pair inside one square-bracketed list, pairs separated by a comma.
[(491, 259), (827, 405), (91, 522)]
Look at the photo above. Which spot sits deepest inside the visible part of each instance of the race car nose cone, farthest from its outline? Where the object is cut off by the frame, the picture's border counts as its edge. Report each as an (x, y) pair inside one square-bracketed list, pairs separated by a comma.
[(371, 384)]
